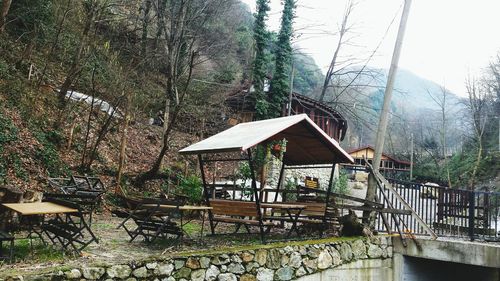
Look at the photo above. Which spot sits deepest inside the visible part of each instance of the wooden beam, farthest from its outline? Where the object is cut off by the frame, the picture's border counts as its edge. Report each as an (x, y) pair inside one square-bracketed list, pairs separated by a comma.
[(380, 210), (383, 182)]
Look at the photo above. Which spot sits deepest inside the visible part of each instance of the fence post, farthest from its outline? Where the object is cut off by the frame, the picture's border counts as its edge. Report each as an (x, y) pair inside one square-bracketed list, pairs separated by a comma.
[(472, 207)]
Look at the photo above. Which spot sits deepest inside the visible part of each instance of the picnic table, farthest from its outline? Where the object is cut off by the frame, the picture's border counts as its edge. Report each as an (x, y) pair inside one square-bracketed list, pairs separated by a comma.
[(66, 227), (292, 213)]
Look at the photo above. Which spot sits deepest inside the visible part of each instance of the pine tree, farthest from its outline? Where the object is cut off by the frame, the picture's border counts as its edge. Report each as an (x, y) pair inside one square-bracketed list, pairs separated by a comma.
[(260, 61), (280, 86)]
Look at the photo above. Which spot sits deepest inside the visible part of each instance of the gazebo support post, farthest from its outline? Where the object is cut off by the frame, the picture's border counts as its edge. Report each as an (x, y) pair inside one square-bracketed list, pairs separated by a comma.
[(280, 180), (327, 200), (205, 193), (256, 194)]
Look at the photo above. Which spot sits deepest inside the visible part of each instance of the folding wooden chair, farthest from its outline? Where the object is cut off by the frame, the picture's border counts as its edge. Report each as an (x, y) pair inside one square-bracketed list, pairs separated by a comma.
[(153, 219), (69, 229), (86, 201)]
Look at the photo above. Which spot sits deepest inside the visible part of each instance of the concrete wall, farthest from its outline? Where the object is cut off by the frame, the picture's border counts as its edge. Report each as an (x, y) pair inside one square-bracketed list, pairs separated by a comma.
[(361, 270), (465, 252), (437, 260)]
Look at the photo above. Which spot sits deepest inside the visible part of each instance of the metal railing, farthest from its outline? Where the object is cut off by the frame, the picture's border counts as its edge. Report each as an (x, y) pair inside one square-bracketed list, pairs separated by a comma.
[(447, 211)]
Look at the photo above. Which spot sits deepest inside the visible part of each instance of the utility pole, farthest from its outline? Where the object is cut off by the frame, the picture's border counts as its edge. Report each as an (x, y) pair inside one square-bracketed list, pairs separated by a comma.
[(382, 126), (371, 192)]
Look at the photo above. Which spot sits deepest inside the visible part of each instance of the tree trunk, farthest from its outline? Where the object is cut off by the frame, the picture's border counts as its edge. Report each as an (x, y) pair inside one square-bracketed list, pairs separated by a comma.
[(123, 147), (71, 132), (75, 68), (87, 134), (54, 43), (145, 24), (161, 22), (3, 14), (343, 30), (369, 217), (476, 166), (101, 136), (444, 157)]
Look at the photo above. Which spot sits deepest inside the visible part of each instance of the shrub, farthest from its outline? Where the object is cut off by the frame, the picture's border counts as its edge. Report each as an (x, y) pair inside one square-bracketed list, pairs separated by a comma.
[(191, 186), (340, 185)]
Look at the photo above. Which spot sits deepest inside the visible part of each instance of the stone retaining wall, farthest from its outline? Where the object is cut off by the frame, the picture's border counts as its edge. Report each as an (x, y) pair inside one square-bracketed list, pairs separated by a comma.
[(261, 262)]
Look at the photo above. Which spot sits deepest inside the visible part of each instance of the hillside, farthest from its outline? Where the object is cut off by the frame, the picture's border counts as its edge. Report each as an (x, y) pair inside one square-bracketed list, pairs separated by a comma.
[(42, 135), (113, 55), (411, 91)]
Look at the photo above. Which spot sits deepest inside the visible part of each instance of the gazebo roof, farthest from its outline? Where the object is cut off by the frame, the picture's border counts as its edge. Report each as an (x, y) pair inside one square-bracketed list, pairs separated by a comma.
[(307, 144)]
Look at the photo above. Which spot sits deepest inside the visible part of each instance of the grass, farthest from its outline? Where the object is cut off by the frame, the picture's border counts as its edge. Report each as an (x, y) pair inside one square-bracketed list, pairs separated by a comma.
[(192, 228), (256, 244), (39, 254), (103, 226)]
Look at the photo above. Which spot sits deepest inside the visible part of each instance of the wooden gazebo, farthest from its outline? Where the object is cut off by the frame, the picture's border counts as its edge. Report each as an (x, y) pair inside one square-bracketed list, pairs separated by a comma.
[(306, 145)]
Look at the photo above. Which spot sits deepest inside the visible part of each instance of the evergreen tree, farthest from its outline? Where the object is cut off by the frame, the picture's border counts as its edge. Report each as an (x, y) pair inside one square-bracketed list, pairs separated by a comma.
[(260, 61), (280, 86)]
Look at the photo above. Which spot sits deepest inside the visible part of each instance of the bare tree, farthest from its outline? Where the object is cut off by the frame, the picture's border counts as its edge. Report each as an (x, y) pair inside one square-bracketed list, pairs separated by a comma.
[(478, 109), (344, 29), (123, 144), (93, 10), (184, 22), (55, 42), (442, 100)]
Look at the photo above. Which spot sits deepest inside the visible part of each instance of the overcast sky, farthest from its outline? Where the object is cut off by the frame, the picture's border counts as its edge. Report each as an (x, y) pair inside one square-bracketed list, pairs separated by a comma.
[(444, 41)]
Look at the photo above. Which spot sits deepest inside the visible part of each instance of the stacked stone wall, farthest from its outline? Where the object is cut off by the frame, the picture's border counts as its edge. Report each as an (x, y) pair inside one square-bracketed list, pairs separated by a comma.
[(259, 262)]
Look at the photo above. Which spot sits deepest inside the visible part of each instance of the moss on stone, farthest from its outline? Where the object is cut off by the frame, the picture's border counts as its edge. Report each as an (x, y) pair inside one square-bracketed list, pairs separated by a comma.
[(241, 248)]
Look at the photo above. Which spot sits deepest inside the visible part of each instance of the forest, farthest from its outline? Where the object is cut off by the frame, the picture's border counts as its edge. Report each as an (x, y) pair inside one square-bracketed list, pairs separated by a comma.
[(162, 71)]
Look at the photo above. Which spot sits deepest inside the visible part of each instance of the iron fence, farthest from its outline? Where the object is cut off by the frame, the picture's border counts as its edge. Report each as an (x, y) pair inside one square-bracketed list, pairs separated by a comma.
[(449, 212)]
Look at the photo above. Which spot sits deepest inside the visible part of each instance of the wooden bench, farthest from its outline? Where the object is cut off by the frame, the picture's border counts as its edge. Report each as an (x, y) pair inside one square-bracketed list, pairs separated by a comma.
[(236, 212)]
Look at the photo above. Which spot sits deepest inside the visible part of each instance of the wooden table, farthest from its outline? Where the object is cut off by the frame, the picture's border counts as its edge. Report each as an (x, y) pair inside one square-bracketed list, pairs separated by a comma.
[(183, 207), (66, 231), (282, 206), (39, 208), (292, 210)]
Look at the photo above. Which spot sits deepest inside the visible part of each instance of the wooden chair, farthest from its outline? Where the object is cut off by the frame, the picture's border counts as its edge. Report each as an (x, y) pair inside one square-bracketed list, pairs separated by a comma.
[(74, 184), (70, 229), (152, 221), (87, 202)]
